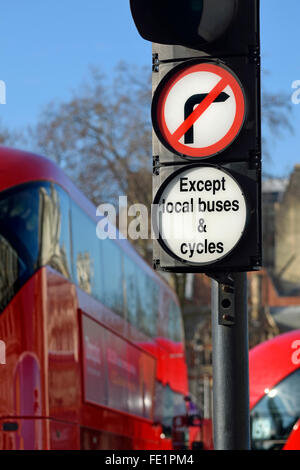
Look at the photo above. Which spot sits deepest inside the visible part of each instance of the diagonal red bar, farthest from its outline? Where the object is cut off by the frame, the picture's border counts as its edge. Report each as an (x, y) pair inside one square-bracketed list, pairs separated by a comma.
[(200, 109)]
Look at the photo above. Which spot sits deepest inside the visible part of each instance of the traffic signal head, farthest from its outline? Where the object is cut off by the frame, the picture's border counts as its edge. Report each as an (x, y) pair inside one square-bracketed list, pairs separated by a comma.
[(207, 25), (206, 142)]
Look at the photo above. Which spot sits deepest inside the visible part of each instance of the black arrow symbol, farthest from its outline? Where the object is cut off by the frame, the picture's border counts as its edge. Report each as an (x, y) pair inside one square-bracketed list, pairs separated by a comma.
[(189, 108)]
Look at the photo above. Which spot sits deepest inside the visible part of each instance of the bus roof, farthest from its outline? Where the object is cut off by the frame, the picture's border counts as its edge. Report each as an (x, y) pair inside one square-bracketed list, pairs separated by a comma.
[(270, 362)]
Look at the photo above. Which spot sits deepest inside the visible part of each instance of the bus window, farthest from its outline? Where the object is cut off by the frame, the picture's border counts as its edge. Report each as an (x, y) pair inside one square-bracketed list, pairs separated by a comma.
[(175, 332), (20, 222), (112, 275), (131, 279), (274, 416), (86, 254), (116, 373), (141, 298), (168, 404), (55, 230), (147, 303)]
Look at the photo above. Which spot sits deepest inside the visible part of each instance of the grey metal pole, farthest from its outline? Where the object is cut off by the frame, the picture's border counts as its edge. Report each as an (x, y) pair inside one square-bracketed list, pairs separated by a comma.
[(231, 421)]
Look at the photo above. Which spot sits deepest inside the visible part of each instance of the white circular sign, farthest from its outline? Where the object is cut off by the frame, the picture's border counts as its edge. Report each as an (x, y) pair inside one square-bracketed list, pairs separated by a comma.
[(200, 214), (199, 110)]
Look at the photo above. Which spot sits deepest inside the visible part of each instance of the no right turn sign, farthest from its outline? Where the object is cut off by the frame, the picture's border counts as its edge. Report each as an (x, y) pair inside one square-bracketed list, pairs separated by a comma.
[(199, 110)]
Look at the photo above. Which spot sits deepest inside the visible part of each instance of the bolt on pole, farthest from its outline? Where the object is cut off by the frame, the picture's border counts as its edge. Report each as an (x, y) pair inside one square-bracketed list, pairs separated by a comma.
[(231, 417)]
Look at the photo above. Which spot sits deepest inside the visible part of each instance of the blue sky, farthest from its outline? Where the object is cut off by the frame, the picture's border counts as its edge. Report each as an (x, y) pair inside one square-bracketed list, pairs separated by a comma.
[(47, 46)]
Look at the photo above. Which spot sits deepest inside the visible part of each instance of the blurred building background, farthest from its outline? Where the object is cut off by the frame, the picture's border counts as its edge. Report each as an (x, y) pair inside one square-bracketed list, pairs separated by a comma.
[(273, 292)]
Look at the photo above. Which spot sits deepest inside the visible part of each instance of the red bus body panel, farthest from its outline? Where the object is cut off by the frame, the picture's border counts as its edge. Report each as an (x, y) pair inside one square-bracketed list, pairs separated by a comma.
[(44, 394), (293, 442), (269, 363)]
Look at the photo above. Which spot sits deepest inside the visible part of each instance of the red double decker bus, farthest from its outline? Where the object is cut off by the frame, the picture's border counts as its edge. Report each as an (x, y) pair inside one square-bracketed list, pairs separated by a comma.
[(275, 393), (93, 337)]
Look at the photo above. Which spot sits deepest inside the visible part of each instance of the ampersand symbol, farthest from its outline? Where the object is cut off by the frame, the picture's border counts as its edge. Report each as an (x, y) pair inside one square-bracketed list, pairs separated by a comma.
[(201, 226)]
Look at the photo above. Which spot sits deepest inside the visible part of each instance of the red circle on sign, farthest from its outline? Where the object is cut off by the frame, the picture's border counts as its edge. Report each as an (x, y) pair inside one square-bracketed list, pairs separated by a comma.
[(227, 78)]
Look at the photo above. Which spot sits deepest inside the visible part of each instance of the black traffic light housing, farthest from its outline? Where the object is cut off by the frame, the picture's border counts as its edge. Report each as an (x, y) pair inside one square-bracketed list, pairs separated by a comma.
[(214, 27)]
